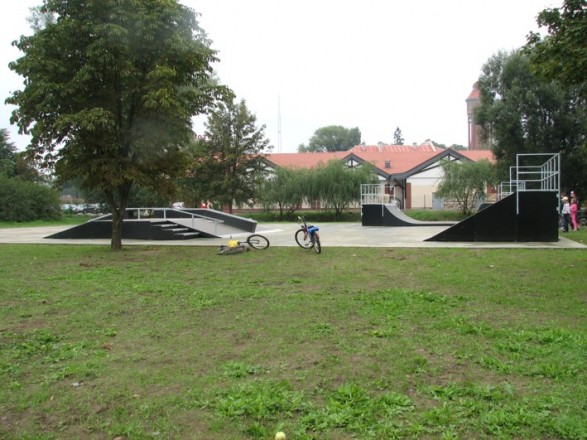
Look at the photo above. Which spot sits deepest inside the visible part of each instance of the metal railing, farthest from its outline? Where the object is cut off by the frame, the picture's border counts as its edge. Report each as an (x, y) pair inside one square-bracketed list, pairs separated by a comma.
[(375, 194), (537, 176)]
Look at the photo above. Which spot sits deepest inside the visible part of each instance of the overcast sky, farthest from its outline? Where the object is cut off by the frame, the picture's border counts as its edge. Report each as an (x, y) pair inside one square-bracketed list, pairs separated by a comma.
[(371, 64)]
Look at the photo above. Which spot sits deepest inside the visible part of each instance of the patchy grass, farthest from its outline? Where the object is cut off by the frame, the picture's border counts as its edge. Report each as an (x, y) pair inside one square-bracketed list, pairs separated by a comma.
[(178, 342)]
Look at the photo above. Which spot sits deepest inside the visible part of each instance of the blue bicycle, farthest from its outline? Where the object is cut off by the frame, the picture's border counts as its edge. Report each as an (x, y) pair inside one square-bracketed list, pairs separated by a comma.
[(307, 237)]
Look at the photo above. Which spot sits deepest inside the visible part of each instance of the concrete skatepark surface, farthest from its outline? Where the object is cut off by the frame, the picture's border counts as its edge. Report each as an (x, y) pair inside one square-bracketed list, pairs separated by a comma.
[(282, 234)]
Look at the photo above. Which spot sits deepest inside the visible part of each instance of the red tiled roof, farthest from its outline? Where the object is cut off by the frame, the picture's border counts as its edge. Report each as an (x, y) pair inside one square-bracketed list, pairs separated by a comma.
[(476, 155), (475, 93), (400, 161), (304, 160)]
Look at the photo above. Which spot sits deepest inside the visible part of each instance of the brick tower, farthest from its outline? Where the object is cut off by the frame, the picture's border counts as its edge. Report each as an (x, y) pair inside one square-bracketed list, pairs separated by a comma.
[(473, 101)]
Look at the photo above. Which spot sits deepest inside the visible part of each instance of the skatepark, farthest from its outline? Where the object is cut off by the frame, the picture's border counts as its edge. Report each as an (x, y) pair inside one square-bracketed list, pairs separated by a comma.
[(524, 216)]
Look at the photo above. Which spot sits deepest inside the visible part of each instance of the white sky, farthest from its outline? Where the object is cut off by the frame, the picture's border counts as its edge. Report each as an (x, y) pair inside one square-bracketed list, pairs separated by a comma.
[(371, 64)]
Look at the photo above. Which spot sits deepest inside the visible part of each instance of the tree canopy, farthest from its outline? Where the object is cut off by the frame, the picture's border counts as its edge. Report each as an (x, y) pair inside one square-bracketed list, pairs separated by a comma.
[(561, 54), (227, 164), (111, 88), (332, 138), (523, 113), (334, 184)]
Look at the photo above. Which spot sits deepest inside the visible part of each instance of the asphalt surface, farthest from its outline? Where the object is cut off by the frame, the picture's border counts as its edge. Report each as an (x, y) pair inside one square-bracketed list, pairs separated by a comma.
[(282, 234)]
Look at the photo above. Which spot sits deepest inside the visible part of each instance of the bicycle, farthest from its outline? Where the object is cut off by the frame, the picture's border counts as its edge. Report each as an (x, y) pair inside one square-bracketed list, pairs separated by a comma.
[(255, 241), (307, 237)]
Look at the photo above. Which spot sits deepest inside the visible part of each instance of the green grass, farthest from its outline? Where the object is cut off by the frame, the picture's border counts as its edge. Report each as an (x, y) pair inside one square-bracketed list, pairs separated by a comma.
[(178, 342), (65, 220), (580, 236)]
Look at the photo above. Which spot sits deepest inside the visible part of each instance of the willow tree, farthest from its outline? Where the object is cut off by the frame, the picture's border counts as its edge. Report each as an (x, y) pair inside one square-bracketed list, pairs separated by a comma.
[(110, 90), (338, 185), (285, 189)]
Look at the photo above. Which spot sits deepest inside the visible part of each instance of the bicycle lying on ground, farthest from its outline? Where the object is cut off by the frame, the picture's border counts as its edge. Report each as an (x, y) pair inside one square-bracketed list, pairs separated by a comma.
[(308, 237), (255, 241)]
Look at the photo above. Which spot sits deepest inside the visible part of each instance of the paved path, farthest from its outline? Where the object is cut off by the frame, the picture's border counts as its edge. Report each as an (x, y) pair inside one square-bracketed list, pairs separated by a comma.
[(282, 234)]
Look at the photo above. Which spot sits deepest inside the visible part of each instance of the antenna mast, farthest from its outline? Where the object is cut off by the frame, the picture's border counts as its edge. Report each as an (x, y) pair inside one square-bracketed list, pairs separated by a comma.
[(278, 124)]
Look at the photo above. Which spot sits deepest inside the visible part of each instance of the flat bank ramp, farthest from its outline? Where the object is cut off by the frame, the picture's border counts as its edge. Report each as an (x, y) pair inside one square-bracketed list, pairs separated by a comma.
[(534, 220)]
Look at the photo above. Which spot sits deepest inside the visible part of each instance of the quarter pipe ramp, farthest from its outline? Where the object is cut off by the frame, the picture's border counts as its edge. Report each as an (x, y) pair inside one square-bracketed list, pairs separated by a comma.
[(391, 215)]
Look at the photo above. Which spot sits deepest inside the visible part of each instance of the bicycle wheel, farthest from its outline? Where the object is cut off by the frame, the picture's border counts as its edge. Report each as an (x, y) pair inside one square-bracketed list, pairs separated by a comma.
[(317, 245), (258, 241), (304, 243)]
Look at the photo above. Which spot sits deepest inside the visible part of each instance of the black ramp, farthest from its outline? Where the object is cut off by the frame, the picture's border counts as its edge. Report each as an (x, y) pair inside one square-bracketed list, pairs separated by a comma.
[(391, 215), (163, 224), (499, 222)]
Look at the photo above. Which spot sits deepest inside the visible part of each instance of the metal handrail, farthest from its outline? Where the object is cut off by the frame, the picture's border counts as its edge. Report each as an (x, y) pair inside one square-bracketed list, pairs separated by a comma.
[(165, 216)]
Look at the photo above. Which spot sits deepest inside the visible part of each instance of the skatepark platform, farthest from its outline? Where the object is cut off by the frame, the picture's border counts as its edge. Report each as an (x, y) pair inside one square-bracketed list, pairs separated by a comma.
[(163, 224)]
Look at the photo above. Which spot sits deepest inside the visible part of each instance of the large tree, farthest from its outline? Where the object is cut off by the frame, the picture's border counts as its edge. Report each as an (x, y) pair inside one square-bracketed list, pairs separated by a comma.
[(561, 56), (111, 88), (332, 138), (523, 113), (227, 162)]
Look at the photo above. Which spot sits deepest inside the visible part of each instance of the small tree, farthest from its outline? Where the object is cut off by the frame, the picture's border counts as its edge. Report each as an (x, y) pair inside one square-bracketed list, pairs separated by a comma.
[(397, 137), (227, 163), (339, 185), (7, 155), (466, 182)]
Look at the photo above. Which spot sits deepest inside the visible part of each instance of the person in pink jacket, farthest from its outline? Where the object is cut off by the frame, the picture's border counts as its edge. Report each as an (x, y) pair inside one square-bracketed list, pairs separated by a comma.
[(574, 210)]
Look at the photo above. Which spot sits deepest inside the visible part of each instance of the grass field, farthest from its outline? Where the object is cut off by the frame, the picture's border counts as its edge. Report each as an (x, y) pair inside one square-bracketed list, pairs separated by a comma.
[(180, 343)]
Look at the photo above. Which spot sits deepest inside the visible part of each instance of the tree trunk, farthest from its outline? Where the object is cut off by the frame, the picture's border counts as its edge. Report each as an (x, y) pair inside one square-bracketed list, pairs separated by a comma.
[(117, 220), (118, 204)]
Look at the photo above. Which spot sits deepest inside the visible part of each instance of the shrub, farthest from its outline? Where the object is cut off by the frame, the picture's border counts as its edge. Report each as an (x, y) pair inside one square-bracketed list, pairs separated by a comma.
[(22, 200)]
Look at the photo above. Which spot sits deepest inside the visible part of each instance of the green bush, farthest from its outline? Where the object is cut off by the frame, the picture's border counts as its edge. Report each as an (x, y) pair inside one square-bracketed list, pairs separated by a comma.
[(435, 215), (352, 216), (22, 200)]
